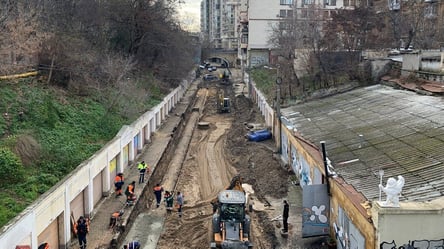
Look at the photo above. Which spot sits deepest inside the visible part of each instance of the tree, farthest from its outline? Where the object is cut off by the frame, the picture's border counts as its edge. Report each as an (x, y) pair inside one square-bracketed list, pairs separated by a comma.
[(416, 23)]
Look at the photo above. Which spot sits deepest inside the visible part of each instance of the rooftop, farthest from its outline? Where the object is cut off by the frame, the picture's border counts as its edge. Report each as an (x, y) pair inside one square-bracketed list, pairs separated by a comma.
[(379, 127)]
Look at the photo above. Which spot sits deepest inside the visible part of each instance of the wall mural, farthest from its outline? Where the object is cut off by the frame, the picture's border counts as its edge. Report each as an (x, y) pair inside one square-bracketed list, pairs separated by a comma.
[(415, 244), (300, 167)]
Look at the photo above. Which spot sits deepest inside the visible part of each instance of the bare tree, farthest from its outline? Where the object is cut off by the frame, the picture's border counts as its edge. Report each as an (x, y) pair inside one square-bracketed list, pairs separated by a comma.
[(416, 23), (298, 38), (19, 36)]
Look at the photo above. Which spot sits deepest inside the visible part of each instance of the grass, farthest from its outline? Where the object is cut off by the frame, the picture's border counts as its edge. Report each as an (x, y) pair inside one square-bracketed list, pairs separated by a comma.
[(52, 132)]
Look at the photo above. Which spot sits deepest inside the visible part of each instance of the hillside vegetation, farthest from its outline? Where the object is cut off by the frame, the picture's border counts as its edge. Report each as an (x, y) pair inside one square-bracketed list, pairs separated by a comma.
[(100, 65)]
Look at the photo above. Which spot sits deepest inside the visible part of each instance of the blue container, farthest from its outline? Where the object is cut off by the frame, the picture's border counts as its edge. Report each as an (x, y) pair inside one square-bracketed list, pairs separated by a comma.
[(259, 135)]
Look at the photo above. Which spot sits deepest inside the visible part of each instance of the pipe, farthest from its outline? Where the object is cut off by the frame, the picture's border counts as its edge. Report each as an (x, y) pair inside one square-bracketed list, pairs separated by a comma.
[(324, 156)]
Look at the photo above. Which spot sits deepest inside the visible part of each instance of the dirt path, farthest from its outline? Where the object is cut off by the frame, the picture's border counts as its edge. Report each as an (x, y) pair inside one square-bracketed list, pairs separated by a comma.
[(214, 156)]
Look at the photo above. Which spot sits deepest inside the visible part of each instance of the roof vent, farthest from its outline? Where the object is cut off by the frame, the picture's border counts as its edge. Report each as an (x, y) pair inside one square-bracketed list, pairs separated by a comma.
[(361, 141)]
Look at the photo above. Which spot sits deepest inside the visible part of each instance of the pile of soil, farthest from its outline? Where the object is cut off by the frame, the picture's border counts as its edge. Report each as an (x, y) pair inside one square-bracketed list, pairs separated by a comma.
[(215, 155)]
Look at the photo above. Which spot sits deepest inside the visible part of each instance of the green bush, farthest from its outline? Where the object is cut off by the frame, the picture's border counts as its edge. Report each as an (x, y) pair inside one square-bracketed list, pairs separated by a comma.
[(68, 129), (10, 208), (11, 170)]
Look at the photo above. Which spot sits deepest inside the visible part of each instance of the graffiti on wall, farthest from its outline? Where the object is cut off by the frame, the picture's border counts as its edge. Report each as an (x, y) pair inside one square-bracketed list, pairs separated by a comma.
[(414, 244), (258, 60), (300, 167)]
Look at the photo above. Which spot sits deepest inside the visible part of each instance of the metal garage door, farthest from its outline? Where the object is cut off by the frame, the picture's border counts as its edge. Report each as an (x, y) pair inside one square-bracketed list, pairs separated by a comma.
[(125, 155), (136, 144), (97, 188), (50, 235), (77, 206), (112, 170)]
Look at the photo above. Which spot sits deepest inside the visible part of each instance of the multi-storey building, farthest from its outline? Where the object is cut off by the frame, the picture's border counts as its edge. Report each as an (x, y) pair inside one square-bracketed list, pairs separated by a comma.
[(247, 25), (219, 22)]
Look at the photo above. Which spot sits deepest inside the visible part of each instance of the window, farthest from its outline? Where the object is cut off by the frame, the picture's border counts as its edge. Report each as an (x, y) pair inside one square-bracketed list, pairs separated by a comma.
[(244, 39), (330, 2), (306, 2), (430, 11), (304, 13), (285, 13), (286, 2), (284, 26)]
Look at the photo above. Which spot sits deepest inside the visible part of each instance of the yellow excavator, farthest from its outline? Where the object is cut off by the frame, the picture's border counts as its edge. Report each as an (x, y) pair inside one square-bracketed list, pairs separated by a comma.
[(231, 223), (223, 103)]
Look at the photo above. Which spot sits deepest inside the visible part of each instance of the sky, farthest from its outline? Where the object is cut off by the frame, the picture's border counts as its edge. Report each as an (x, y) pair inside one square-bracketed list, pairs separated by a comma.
[(189, 14)]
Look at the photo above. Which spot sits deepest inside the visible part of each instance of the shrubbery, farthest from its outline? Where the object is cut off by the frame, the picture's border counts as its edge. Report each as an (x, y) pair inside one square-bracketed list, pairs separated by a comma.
[(11, 170), (54, 133)]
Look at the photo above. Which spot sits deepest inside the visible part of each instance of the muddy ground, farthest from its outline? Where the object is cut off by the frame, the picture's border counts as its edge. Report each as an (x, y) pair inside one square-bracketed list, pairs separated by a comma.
[(217, 153)]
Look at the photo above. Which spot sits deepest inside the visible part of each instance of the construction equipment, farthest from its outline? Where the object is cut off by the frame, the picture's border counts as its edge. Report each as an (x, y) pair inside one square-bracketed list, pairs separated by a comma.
[(225, 77), (231, 223), (223, 103)]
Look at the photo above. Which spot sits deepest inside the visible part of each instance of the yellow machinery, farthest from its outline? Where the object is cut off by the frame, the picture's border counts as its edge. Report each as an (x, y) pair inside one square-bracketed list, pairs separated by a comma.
[(231, 224), (223, 103)]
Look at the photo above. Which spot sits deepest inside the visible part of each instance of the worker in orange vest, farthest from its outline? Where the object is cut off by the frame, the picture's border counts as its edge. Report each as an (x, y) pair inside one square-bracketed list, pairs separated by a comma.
[(158, 193), (114, 217), (129, 192), (118, 184)]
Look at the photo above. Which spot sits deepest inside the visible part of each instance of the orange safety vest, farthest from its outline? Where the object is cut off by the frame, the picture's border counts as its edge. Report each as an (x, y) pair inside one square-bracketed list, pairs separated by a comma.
[(131, 189), (44, 246), (118, 179), (157, 188)]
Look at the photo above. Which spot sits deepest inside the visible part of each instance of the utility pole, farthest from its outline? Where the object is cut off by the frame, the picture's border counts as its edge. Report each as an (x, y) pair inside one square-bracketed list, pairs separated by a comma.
[(278, 110)]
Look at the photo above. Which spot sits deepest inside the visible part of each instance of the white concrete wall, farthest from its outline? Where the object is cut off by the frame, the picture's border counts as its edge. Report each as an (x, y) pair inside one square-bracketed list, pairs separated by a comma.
[(411, 221), (26, 227), (262, 14), (259, 32)]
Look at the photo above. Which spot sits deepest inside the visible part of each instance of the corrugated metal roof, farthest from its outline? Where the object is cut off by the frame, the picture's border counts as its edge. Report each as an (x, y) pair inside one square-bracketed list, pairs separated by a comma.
[(379, 127)]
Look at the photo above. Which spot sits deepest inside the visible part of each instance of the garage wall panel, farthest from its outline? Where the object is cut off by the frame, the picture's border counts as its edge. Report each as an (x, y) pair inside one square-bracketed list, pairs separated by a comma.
[(77, 206), (112, 170), (97, 189), (50, 235)]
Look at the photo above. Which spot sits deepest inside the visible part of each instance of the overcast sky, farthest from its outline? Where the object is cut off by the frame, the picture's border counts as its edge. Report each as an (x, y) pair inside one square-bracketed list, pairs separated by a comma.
[(190, 14)]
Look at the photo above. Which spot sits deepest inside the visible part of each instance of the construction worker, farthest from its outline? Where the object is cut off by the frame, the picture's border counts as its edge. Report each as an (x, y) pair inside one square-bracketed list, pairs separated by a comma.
[(118, 184), (168, 197), (129, 192), (114, 217), (285, 217), (158, 193), (179, 201), (142, 167), (44, 246), (82, 231)]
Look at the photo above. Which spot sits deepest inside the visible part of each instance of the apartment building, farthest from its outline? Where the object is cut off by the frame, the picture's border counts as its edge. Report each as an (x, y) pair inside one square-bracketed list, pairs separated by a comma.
[(219, 21), (247, 25)]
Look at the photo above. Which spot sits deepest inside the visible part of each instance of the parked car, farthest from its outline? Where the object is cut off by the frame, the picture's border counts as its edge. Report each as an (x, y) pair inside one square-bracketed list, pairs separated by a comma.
[(210, 77)]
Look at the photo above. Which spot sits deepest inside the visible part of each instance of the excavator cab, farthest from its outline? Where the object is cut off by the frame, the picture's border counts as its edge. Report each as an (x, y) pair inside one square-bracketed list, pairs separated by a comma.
[(232, 212), (231, 224)]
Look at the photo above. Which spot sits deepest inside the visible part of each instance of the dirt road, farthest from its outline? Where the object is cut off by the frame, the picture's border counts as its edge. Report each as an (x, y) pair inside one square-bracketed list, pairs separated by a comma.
[(215, 154)]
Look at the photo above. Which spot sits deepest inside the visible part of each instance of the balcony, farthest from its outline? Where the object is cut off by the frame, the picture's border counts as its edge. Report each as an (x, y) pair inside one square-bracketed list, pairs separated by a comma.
[(243, 17)]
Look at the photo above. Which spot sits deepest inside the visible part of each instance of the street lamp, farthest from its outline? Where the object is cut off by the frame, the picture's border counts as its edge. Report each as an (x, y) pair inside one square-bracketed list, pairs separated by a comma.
[(278, 110)]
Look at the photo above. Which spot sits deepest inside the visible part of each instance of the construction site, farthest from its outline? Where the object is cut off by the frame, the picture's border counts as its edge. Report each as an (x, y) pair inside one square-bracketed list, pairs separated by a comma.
[(199, 151)]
